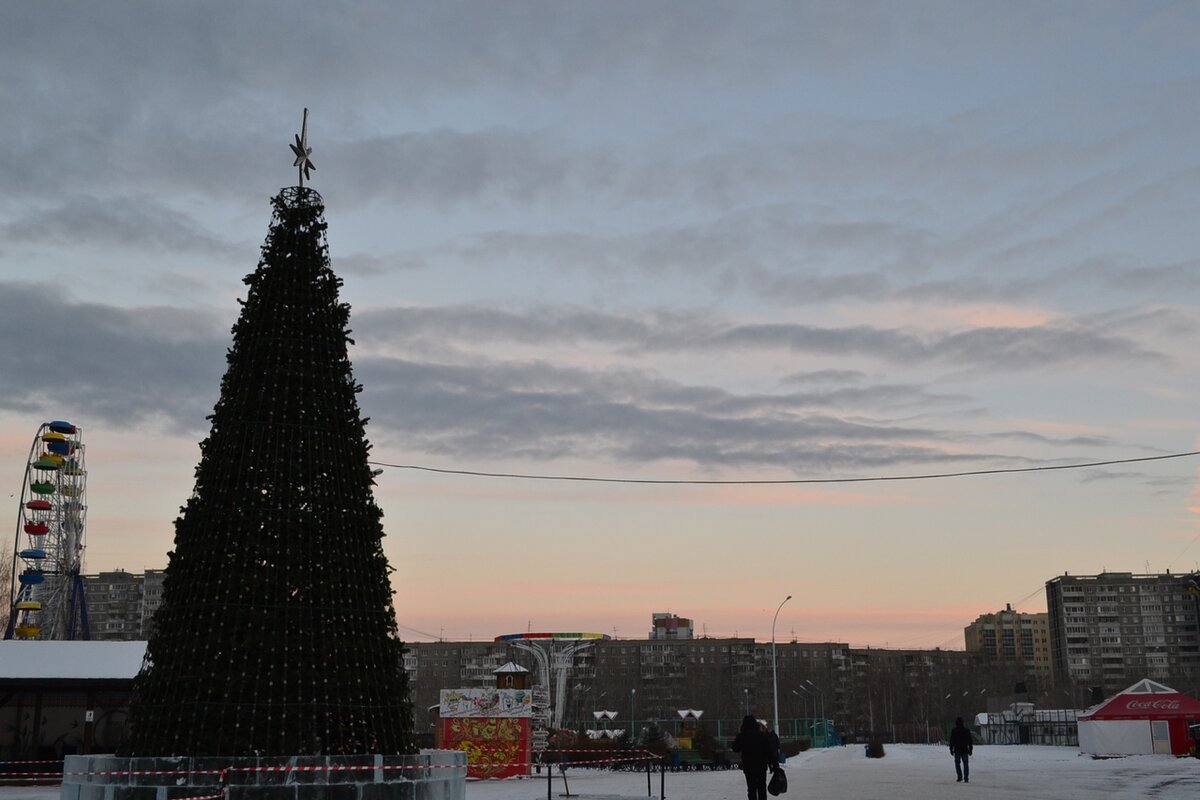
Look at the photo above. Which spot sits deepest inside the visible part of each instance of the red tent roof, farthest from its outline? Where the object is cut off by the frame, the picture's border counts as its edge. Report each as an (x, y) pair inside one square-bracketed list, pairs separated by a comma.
[(1146, 700)]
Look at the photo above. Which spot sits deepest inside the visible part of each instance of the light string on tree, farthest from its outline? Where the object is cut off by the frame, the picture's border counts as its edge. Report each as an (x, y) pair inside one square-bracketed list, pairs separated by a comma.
[(279, 603)]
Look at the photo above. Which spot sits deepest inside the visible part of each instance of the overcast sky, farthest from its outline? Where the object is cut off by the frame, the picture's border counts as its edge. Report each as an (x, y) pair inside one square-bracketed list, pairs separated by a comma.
[(673, 240)]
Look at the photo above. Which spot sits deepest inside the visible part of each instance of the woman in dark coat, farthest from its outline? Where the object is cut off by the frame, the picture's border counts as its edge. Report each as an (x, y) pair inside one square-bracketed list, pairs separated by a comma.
[(757, 756)]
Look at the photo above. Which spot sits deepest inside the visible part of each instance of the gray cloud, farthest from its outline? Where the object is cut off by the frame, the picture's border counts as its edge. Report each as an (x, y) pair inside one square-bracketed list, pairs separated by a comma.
[(446, 167), (789, 253), (125, 367), (190, 100), (121, 222), (458, 113), (1165, 484), (437, 107), (541, 412), (1179, 277), (995, 347), (366, 265), (1005, 348), (156, 365), (421, 50), (1070, 441), (825, 376), (191, 91)]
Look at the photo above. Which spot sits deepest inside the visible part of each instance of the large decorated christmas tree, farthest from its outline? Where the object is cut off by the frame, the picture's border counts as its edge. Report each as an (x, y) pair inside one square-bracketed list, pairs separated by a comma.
[(276, 634)]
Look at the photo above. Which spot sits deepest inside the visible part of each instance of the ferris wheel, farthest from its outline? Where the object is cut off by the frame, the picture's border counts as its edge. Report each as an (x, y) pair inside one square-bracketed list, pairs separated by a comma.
[(47, 587)]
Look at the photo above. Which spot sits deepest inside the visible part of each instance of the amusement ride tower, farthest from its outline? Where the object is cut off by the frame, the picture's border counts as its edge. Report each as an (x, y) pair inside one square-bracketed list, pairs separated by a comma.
[(47, 601)]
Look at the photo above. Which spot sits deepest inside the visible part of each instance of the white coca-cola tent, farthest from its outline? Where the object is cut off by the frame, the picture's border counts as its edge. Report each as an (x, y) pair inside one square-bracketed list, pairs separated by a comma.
[(1145, 718)]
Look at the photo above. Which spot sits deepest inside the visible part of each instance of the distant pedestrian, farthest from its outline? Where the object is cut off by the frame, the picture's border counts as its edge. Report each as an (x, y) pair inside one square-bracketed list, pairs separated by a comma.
[(757, 757), (962, 748), (773, 738)]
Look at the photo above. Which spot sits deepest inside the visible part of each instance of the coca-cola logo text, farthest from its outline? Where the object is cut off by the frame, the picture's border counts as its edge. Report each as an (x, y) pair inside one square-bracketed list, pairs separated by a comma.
[(1153, 705)]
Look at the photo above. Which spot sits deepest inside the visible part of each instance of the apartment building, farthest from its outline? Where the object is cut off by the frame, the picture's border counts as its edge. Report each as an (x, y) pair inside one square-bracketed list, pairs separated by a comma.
[(651, 679), (1015, 639), (121, 604), (1109, 630)]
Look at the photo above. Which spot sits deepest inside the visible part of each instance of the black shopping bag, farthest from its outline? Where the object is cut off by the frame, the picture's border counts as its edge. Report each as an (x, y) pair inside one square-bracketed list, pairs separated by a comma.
[(778, 784)]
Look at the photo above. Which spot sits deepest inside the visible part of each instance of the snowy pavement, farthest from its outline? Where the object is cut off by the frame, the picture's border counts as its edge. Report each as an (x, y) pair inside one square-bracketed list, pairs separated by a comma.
[(907, 772)]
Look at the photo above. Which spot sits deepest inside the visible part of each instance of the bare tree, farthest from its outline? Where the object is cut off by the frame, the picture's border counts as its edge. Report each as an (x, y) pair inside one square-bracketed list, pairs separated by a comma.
[(6, 602)]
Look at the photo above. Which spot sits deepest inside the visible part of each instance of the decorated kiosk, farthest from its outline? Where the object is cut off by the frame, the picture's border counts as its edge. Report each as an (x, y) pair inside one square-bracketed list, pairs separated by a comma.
[(492, 726), (1146, 718)]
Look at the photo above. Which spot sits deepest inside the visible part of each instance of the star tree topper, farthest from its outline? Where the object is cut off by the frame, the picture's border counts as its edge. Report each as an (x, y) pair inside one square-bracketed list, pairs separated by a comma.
[(303, 151)]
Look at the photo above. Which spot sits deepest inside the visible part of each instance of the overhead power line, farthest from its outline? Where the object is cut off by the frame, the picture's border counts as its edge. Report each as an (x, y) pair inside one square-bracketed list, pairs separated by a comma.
[(418, 631), (869, 479)]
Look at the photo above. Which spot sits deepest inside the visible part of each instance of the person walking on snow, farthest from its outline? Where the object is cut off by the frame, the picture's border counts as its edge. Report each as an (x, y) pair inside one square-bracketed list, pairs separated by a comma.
[(961, 747), (773, 738), (757, 756)]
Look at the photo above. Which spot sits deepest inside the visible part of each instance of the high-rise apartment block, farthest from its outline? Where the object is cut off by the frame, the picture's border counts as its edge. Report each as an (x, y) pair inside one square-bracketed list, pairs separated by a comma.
[(121, 604), (1112, 629), (1014, 638)]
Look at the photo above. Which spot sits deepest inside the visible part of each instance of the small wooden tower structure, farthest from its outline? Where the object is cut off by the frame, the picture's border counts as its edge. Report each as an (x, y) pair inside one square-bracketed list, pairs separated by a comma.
[(511, 676)]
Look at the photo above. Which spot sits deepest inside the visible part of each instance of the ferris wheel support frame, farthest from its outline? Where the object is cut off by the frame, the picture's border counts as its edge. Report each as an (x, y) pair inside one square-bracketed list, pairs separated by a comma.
[(57, 608)]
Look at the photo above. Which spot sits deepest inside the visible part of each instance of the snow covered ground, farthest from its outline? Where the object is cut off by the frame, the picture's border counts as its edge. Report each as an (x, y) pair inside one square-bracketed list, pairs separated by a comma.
[(908, 772)]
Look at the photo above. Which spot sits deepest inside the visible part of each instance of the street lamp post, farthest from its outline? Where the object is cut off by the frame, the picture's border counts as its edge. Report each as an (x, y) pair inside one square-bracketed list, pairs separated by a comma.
[(632, 712), (804, 700), (824, 729), (774, 671)]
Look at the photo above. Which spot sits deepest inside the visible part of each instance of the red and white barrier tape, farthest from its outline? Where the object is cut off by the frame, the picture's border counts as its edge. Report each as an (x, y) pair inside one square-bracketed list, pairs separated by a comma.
[(601, 750), (641, 755), (115, 772)]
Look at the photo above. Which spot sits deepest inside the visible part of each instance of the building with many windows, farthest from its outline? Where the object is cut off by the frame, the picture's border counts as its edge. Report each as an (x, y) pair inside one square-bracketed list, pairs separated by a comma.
[(120, 604), (908, 695), (825, 689), (1013, 639), (650, 680), (1110, 630)]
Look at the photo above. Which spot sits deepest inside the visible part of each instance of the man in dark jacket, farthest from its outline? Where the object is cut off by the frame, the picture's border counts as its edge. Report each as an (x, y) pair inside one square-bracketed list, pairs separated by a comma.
[(961, 747), (757, 756)]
